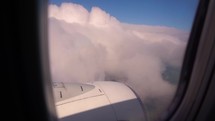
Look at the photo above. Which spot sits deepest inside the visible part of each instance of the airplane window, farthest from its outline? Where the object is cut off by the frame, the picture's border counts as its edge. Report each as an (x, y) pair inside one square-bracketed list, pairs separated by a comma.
[(117, 60)]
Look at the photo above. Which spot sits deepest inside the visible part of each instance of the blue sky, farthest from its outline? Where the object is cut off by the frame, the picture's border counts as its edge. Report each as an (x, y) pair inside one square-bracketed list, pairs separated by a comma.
[(173, 13)]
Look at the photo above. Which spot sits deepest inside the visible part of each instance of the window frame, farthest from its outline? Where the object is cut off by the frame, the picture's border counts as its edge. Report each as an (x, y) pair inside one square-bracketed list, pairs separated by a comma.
[(193, 97)]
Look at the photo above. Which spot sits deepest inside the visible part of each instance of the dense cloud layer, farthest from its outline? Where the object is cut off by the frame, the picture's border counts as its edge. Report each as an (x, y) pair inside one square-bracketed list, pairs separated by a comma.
[(92, 46)]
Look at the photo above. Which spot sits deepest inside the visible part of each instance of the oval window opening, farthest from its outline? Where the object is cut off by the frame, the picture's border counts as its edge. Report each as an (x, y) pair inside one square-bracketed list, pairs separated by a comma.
[(117, 61)]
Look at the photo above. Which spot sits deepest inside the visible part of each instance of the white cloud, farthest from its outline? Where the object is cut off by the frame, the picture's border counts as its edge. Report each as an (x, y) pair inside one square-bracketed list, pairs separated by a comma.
[(92, 46), (69, 12)]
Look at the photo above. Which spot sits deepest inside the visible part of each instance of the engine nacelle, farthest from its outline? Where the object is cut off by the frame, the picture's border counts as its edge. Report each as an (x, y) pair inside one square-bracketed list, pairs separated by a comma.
[(98, 101)]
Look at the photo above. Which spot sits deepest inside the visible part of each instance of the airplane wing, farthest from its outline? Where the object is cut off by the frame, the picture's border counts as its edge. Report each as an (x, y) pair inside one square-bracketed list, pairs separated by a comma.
[(97, 101)]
